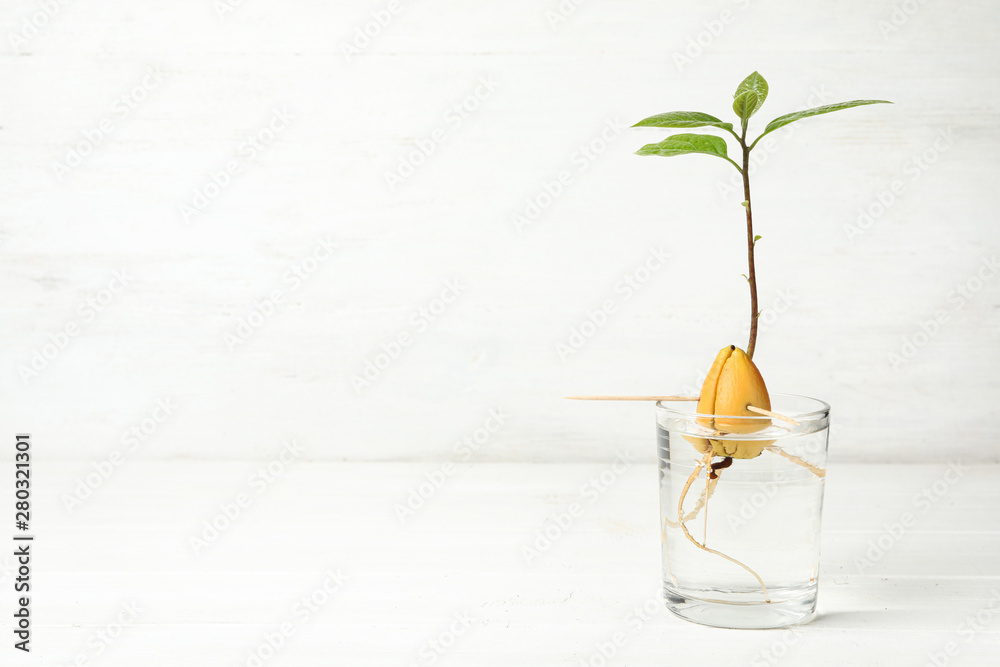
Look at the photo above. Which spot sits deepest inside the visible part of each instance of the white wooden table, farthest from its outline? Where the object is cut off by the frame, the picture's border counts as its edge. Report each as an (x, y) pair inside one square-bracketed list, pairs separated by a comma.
[(453, 574)]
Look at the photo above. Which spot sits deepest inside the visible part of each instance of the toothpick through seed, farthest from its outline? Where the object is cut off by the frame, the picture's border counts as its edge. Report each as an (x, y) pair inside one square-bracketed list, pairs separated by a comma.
[(632, 398), (775, 415)]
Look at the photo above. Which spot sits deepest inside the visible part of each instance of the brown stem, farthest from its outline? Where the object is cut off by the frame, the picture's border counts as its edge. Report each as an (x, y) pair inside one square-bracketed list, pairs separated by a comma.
[(719, 465), (751, 273)]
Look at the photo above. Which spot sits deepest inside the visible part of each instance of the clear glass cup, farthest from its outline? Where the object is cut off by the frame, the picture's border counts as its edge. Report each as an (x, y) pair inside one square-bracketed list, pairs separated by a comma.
[(756, 561)]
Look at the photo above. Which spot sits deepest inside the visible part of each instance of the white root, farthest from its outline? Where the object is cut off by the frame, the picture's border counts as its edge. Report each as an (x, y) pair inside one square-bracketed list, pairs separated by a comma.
[(704, 530), (681, 519), (667, 521), (814, 469), (702, 500)]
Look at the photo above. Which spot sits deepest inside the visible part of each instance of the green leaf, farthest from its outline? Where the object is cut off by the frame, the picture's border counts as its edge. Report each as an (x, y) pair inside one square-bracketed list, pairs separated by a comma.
[(756, 238), (782, 121), (683, 119), (682, 144), (745, 105), (756, 84)]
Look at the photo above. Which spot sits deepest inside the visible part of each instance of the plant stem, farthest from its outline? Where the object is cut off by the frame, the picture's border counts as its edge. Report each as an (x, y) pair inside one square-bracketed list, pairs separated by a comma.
[(751, 274)]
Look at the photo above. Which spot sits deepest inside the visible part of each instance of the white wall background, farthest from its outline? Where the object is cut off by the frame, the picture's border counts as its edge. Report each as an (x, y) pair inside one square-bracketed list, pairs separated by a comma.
[(853, 300)]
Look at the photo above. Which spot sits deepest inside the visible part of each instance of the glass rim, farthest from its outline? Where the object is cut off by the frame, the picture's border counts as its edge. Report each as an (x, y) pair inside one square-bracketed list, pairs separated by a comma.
[(821, 413)]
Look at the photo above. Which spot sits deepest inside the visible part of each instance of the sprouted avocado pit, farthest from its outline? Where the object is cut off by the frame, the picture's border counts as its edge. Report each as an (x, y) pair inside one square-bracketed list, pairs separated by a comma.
[(734, 398)]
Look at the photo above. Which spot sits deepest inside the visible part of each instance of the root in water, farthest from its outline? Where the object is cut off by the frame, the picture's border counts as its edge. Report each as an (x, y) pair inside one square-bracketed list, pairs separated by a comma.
[(711, 480), (690, 516), (708, 480), (706, 461), (666, 551), (816, 470)]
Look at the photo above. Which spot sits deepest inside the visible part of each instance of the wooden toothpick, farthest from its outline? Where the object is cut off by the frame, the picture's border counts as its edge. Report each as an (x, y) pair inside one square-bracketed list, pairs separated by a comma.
[(775, 415), (751, 408), (632, 398)]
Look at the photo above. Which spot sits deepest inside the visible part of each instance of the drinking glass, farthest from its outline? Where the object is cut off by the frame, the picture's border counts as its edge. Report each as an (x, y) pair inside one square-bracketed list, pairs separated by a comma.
[(743, 551)]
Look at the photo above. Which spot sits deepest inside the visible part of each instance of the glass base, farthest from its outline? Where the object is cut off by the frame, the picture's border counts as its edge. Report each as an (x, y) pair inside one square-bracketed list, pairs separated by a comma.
[(742, 615)]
